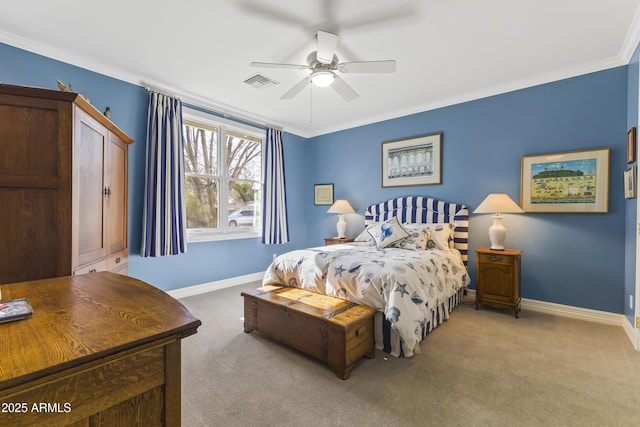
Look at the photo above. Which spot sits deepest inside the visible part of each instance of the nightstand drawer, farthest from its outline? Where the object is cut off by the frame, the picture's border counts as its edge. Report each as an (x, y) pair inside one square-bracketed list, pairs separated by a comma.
[(495, 258)]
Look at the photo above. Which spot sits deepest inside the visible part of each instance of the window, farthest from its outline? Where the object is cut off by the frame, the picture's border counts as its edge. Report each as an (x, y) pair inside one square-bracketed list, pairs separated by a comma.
[(223, 177)]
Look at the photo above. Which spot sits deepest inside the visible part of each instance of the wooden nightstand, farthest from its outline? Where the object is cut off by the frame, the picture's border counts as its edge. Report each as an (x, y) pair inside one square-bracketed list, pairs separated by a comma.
[(337, 240), (498, 278)]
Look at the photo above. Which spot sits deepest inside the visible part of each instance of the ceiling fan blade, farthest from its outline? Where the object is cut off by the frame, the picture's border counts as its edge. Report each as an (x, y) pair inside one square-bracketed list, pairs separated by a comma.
[(344, 89), (384, 18), (327, 43), (388, 66), (297, 88), (276, 65), (255, 7)]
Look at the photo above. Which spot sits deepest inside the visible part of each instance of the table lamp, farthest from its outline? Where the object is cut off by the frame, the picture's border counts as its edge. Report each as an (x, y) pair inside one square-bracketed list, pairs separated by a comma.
[(496, 203), (341, 207)]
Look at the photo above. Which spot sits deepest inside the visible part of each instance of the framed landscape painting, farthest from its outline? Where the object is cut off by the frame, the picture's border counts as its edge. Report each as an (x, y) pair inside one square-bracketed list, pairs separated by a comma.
[(568, 182), (413, 161)]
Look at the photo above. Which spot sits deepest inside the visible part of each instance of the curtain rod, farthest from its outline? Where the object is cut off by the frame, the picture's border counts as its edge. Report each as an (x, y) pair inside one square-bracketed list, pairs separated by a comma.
[(201, 102)]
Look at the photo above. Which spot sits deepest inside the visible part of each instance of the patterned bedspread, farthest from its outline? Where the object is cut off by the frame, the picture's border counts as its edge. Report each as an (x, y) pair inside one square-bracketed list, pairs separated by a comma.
[(405, 285)]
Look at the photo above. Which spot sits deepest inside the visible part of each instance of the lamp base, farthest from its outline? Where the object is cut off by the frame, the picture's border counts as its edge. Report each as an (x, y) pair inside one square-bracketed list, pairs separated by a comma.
[(341, 226), (497, 233)]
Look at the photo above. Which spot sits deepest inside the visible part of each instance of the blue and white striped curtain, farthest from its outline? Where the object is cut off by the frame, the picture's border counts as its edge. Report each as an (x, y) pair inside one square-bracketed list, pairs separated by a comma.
[(275, 229), (164, 216)]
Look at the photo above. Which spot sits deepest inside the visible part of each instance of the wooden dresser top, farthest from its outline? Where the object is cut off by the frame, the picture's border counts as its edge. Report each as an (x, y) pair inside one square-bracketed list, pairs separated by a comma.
[(77, 319)]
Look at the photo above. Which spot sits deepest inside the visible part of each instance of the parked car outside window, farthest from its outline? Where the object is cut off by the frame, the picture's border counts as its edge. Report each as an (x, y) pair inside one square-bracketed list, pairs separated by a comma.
[(243, 218)]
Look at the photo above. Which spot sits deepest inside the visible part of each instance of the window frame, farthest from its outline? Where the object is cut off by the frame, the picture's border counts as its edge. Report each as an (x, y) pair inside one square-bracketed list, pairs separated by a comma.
[(224, 232)]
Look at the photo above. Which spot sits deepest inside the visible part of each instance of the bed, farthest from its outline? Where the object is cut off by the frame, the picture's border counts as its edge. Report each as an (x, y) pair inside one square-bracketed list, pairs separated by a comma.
[(410, 263)]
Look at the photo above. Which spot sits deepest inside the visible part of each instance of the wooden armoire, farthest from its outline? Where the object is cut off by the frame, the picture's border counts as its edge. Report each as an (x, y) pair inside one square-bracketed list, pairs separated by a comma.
[(63, 186)]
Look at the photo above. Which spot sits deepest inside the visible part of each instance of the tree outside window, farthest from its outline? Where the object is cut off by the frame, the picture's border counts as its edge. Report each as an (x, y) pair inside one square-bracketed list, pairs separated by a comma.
[(223, 176)]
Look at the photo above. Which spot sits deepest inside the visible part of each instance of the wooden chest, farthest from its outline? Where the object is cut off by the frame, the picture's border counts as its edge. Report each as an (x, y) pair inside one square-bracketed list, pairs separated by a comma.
[(335, 331)]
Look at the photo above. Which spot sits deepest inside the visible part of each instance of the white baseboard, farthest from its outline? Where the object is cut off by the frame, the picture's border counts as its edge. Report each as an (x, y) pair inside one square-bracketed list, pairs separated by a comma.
[(215, 286), (631, 333), (568, 311), (587, 314)]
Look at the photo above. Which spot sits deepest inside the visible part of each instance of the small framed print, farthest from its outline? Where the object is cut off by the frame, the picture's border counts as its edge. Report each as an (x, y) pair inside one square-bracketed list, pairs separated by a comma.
[(323, 194), (631, 145), (630, 183)]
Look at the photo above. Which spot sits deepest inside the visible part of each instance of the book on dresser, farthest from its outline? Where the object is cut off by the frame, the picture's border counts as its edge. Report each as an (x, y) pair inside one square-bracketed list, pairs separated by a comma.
[(16, 309)]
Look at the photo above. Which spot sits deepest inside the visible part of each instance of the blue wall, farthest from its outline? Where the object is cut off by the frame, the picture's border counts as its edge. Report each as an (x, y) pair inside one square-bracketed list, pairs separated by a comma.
[(570, 259), (203, 262), (573, 259)]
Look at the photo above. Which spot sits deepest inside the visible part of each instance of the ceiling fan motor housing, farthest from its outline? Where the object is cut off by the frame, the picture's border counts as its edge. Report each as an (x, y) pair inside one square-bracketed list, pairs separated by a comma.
[(312, 60)]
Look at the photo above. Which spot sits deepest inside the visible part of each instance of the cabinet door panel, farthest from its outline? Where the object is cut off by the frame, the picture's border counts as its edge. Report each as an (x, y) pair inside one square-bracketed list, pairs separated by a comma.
[(497, 282), (117, 201), (35, 189), (89, 150), (27, 130), (30, 246)]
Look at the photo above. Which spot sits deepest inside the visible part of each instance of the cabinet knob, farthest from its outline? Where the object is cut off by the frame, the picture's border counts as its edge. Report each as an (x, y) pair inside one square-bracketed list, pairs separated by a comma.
[(118, 260), (93, 270), (496, 258)]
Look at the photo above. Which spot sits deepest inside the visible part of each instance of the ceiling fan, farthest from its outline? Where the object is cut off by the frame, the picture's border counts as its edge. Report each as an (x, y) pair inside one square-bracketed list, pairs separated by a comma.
[(323, 64)]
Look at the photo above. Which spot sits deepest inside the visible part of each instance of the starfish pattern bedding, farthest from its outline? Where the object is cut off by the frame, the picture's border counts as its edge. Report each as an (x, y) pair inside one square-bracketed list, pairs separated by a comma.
[(406, 285)]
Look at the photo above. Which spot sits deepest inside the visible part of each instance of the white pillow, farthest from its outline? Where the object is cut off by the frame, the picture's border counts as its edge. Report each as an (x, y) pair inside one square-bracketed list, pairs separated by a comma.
[(386, 233), (364, 236), (418, 237), (440, 236)]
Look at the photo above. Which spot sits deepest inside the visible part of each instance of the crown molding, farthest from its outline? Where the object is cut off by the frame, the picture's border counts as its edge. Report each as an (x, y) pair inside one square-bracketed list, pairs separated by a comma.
[(484, 93), (627, 51), (632, 40), (59, 54)]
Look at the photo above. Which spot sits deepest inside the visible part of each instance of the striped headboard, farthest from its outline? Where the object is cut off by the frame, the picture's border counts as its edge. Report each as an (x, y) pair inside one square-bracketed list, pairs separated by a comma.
[(425, 210)]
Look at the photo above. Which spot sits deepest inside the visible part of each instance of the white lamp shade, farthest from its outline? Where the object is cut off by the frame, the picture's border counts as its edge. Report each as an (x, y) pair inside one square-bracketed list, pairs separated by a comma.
[(497, 203), (341, 207)]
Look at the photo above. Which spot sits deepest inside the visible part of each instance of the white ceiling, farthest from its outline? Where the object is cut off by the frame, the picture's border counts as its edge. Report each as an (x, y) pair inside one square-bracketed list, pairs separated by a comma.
[(447, 51)]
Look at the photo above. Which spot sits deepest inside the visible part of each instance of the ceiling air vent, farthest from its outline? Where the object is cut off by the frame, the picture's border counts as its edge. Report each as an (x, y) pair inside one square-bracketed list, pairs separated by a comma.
[(259, 81)]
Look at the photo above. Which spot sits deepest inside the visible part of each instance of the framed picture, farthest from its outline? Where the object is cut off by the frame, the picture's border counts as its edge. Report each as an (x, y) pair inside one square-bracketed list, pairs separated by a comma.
[(630, 183), (323, 194), (414, 161), (631, 145), (569, 182)]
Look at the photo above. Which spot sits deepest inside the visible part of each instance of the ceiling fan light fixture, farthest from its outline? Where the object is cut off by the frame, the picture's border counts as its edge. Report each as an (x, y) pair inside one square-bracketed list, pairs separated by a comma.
[(322, 78)]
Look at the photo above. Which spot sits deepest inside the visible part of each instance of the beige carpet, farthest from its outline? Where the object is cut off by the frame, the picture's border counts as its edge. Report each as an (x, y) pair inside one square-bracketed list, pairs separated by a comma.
[(480, 368)]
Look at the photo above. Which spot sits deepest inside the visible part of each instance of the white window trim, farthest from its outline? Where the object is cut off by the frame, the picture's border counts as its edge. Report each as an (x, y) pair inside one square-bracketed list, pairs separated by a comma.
[(196, 235)]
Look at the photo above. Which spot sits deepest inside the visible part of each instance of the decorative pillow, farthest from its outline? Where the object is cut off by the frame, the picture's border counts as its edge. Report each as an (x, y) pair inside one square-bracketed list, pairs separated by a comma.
[(364, 236), (386, 233), (417, 240), (440, 236)]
